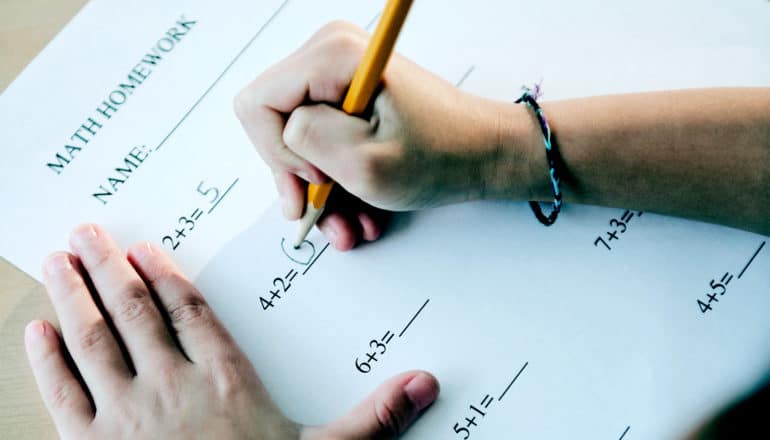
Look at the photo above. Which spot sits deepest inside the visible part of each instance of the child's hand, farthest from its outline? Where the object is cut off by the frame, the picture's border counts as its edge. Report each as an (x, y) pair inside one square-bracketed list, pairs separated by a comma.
[(425, 143), (167, 368)]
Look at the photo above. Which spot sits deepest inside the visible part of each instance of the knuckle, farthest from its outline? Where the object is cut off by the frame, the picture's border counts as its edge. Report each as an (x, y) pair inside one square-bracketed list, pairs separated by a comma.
[(190, 310), (133, 303), (390, 420), (335, 27), (240, 105), (244, 103), (348, 43), (92, 336), (299, 128), (62, 396), (99, 256), (169, 278)]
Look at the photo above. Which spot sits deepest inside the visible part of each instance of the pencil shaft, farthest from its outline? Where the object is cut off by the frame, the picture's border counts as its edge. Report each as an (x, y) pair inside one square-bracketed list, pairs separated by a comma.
[(362, 87), (376, 57)]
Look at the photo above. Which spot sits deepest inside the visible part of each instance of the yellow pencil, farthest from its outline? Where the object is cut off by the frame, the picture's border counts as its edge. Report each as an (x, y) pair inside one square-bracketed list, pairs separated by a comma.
[(365, 81)]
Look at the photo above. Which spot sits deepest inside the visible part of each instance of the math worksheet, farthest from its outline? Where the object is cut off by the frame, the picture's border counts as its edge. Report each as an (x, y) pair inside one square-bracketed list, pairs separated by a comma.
[(613, 324)]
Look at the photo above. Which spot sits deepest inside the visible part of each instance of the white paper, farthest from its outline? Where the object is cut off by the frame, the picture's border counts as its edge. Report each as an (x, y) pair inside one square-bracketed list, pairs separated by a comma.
[(610, 339), (613, 339)]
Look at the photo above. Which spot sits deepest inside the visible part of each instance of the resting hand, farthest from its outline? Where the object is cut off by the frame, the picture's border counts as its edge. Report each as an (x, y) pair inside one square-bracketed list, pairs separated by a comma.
[(158, 364)]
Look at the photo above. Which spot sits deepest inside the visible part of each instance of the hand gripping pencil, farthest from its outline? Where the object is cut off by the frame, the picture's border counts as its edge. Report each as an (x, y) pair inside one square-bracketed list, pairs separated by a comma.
[(364, 82)]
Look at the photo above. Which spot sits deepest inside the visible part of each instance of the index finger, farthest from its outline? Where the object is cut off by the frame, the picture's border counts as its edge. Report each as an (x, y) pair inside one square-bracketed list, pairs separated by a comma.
[(317, 72)]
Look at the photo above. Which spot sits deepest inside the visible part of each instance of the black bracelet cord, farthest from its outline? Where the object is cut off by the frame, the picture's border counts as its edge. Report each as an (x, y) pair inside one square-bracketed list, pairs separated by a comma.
[(551, 154)]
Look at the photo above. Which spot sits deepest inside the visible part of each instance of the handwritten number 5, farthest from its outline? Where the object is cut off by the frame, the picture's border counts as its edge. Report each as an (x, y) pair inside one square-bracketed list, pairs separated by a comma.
[(206, 192)]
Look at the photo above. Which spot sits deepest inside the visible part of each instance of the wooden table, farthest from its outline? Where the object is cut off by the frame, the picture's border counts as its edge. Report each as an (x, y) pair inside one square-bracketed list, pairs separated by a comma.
[(26, 26)]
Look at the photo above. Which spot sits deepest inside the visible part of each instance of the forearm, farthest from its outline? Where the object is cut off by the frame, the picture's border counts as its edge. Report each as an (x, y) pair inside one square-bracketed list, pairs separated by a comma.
[(702, 154)]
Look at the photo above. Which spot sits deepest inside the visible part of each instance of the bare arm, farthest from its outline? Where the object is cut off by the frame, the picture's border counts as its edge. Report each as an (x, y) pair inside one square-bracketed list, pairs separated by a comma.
[(702, 154)]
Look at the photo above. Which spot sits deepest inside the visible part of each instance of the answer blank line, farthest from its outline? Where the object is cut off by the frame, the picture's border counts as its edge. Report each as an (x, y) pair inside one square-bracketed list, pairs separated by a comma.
[(414, 317), (465, 76), (514, 380), (219, 78), (624, 432), (315, 259), (223, 195), (751, 260)]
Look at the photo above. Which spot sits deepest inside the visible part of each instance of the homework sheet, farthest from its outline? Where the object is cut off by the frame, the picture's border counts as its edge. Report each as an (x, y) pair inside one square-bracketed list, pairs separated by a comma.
[(614, 323), (528, 342)]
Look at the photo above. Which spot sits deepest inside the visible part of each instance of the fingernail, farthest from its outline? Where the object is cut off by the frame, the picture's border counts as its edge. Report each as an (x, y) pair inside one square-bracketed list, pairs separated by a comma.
[(142, 251), (56, 263), (35, 330), (83, 236), (422, 390)]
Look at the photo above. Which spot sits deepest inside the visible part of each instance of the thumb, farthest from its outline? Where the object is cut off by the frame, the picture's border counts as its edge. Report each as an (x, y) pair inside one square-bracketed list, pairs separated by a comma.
[(386, 413), (325, 137)]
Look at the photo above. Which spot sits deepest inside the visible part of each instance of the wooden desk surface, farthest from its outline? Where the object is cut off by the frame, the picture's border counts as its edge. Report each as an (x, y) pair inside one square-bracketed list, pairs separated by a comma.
[(26, 26)]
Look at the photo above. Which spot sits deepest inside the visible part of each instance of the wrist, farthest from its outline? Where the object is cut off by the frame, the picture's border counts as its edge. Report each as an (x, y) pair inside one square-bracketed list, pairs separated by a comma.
[(511, 174)]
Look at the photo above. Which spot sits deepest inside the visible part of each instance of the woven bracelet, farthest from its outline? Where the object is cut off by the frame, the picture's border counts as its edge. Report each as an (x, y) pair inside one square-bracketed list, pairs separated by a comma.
[(529, 97)]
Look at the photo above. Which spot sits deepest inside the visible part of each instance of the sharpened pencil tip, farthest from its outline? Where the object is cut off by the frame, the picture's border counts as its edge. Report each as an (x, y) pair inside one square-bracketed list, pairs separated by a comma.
[(306, 223)]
